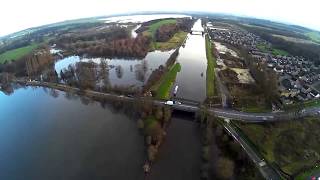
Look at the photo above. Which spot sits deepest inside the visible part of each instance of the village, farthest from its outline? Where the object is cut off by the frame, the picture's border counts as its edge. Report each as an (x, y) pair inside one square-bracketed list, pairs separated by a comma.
[(299, 78)]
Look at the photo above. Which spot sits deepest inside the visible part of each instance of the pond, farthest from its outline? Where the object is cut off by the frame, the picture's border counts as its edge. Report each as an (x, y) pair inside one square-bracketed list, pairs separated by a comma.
[(48, 134), (192, 57), (123, 72)]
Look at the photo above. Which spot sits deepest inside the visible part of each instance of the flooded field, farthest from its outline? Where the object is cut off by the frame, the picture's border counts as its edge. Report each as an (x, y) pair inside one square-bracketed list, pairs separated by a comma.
[(122, 72), (141, 18)]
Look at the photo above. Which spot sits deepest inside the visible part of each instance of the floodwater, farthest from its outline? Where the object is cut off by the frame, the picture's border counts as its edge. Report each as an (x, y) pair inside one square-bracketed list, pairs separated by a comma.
[(134, 34), (192, 77), (46, 134), (180, 155), (141, 18), (123, 72)]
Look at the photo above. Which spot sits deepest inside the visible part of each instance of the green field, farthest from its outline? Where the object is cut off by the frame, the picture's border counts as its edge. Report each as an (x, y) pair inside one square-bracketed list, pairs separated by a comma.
[(292, 145), (167, 81), (255, 109), (314, 36), (210, 68), (153, 27), (173, 43), (17, 53), (307, 174), (310, 103), (262, 47), (279, 52), (274, 51)]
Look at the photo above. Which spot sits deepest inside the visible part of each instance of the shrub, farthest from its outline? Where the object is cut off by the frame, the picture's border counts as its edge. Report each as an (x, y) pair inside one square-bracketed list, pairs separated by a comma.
[(206, 153), (152, 152), (225, 168), (140, 124)]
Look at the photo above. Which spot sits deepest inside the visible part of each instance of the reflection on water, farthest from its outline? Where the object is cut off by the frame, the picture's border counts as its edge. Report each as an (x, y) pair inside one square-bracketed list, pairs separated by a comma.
[(192, 77), (49, 134), (122, 72)]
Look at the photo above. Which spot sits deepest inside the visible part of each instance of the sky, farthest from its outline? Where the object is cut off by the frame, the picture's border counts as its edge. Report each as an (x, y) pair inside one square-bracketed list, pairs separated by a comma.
[(17, 15)]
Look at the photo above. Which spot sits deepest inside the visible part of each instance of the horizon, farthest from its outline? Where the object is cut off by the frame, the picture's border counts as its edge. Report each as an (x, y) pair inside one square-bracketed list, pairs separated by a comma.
[(162, 12), (63, 11)]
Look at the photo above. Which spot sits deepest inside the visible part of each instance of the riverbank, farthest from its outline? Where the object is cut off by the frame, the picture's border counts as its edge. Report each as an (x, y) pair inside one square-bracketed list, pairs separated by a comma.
[(211, 63), (166, 83)]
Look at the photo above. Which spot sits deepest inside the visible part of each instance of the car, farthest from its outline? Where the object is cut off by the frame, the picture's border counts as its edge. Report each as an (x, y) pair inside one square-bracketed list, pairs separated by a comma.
[(170, 103), (177, 102)]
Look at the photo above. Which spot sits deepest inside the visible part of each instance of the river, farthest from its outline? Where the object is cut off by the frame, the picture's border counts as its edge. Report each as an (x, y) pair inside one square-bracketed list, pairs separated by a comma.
[(191, 80), (47, 134), (180, 155)]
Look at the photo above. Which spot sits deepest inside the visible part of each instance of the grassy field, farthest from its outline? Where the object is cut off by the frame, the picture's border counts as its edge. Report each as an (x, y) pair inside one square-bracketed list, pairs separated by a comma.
[(262, 47), (311, 103), (279, 52), (292, 145), (314, 36), (274, 51), (153, 27), (255, 109), (166, 82), (308, 173), (173, 43), (17, 53), (210, 68)]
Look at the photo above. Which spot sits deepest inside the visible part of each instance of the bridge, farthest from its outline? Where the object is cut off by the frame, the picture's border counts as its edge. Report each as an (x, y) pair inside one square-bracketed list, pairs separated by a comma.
[(186, 105), (197, 32), (190, 106)]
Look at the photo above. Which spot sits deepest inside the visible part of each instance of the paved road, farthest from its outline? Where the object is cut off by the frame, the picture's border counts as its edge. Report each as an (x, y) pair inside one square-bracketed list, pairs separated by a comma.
[(266, 171), (219, 112), (251, 117)]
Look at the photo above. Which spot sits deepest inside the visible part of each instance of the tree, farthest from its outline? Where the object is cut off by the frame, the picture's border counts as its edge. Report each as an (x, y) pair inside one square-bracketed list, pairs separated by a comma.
[(225, 168)]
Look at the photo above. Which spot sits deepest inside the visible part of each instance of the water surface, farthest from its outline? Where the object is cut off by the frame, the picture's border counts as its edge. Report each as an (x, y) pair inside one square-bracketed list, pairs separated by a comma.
[(123, 72), (47, 134), (192, 77)]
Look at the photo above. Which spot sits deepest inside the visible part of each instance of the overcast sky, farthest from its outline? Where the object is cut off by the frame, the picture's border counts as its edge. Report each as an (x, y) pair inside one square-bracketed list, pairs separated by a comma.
[(17, 15)]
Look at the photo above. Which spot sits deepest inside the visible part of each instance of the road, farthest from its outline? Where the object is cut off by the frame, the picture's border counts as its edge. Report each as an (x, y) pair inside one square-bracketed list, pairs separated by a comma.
[(267, 172), (219, 112)]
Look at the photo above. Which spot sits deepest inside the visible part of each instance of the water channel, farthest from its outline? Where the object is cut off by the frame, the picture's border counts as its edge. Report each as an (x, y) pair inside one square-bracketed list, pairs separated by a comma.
[(191, 80)]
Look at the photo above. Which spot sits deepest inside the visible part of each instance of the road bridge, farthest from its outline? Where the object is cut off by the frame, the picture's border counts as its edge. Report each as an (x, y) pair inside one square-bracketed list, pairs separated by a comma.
[(190, 106)]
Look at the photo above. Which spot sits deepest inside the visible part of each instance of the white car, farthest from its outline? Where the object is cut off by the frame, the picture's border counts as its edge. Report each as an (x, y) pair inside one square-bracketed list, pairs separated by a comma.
[(170, 103)]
